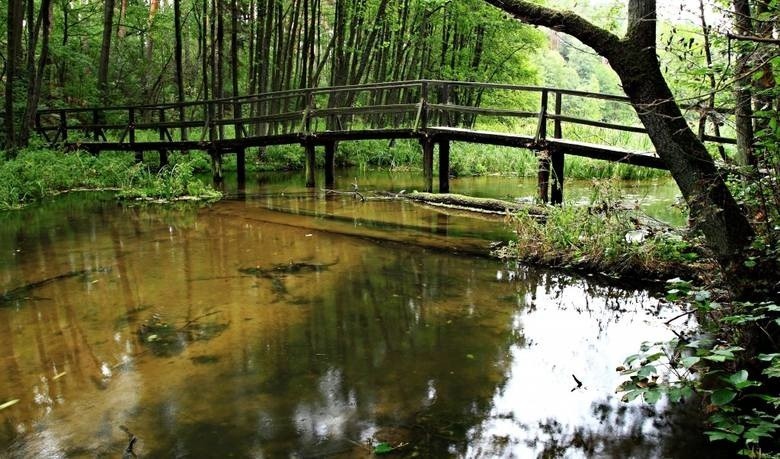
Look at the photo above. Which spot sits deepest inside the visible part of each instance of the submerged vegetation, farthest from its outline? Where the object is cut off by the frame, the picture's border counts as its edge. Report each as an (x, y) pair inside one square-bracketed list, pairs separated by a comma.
[(39, 173)]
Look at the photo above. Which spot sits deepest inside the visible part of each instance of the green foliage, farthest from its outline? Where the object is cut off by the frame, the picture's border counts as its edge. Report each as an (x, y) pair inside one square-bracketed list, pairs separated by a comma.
[(602, 236), (715, 367), (39, 173), (168, 183)]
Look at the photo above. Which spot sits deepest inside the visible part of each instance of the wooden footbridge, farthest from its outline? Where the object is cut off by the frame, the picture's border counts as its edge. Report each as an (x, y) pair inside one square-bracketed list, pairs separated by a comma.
[(431, 111)]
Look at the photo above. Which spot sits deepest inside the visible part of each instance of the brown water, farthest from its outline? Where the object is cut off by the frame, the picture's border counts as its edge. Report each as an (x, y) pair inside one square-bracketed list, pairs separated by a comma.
[(308, 331)]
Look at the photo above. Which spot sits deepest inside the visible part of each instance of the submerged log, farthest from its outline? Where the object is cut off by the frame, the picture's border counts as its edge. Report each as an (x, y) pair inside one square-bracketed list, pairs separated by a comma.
[(459, 201)]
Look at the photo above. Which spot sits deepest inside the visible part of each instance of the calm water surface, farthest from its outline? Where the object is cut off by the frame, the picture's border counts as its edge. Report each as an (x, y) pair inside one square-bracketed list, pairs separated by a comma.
[(284, 324)]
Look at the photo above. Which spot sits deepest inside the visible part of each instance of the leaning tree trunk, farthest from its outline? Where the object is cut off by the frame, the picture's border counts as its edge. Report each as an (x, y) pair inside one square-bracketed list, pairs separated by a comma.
[(713, 208)]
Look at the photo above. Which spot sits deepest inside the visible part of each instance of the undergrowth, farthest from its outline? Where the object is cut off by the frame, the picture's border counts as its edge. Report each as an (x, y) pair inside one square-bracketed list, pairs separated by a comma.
[(607, 237), (35, 174), (731, 366)]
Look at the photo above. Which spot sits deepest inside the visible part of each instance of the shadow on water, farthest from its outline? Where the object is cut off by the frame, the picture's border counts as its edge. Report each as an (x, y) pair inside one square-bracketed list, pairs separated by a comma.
[(314, 342)]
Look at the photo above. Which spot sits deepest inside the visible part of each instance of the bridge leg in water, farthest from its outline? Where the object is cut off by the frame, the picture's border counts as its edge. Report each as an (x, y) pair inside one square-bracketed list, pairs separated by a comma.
[(330, 164), (444, 166), (216, 165), (427, 148), (241, 166), (556, 188), (310, 164), (544, 176)]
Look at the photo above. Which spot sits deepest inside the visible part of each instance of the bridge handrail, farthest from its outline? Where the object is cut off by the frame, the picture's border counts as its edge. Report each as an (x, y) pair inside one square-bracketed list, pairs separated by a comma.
[(306, 109)]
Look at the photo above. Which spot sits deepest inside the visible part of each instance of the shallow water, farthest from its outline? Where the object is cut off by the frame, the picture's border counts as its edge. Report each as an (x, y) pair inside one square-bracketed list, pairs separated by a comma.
[(659, 198), (311, 329)]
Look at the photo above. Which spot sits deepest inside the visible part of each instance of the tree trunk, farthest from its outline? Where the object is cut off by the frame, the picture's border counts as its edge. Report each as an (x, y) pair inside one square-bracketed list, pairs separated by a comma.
[(105, 51), (36, 77), (705, 29), (713, 208), (179, 64), (14, 29), (743, 110)]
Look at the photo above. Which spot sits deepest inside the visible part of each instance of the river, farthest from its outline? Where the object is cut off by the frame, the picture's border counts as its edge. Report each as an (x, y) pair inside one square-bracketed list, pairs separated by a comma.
[(281, 322)]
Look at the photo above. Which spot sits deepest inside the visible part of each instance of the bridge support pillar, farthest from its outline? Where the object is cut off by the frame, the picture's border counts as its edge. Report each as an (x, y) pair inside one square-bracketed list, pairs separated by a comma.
[(444, 166), (310, 164), (556, 188), (427, 150), (163, 158), (330, 164), (216, 165), (241, 166), (543, 177)]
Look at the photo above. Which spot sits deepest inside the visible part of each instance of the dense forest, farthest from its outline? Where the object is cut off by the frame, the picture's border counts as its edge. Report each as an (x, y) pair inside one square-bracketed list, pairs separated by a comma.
[(691, 70)]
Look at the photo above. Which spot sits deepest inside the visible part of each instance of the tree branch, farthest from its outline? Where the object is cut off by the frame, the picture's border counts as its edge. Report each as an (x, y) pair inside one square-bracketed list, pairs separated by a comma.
[(602, 41), (773, 41)]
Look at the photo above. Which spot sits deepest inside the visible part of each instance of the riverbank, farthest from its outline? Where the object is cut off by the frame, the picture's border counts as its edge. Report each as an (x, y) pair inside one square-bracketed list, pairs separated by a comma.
[(35, 174)]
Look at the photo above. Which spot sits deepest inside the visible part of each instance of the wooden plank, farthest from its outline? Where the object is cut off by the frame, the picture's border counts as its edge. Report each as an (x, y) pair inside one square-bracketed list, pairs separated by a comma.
[(482, 110), (367, 110), (645, 159), (601, 124)]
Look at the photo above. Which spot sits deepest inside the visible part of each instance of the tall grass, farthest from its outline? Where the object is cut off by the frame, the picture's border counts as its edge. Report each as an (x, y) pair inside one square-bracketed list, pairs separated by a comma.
[(605, 237), (38, 173)]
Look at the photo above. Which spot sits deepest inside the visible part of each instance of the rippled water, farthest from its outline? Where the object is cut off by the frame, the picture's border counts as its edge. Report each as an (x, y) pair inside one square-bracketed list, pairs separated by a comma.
[(291, 325)]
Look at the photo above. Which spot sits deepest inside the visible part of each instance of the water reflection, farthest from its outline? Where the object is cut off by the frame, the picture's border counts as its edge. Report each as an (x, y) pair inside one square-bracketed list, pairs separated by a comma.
[(453, 355)]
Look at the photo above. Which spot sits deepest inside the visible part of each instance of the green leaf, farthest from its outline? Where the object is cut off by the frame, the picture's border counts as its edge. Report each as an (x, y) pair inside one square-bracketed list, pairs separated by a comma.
[(633, 394), (722, 396), (652, 396), (716, 435), (750, 263), (688, 362), (383, 448), (646, 371), (738, 377)]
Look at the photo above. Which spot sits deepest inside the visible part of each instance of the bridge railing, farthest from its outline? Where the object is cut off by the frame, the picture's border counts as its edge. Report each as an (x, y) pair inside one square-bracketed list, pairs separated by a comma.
[(414, 106)]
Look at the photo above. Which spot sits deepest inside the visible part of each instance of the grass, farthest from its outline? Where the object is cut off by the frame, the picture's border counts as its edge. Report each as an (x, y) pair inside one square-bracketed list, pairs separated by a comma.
[(37, 173), (605, 237)]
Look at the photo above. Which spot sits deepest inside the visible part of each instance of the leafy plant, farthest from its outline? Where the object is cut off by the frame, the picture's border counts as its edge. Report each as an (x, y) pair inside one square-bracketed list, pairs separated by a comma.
[(712, 367)]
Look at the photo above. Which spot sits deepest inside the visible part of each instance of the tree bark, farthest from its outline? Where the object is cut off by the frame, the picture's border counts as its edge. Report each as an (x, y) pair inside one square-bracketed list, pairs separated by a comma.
[(713, 208), (36, 76), (743, 109), (105, 50), (179, 64), (14, 30)]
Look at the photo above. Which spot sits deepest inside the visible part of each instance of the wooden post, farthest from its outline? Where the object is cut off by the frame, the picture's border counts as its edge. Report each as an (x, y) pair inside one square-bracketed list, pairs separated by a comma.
[(216, 164), (95, 122), (163, 151), (557, 157), (131, 125), (310, 164), (556, 188), (424, 106), (63, 125), (444, 166), (541, 129), (330, 164), (241, 166), (427, 147), (544, 176)]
